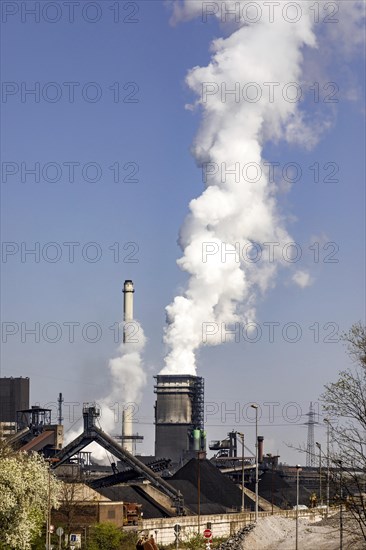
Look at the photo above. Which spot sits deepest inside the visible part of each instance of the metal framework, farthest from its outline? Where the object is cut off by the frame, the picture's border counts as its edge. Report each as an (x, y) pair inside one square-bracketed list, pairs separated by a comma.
[(35, 418), (92, 433), (198, 403), (127, 475), (310, 447), (60, 401)]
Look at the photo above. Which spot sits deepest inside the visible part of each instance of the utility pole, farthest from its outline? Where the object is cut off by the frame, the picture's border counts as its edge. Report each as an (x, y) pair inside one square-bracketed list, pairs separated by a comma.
[(272, 462), (241, 435), (200, 455), (298, 469), (48, 521), (326, 420), (320, 472), (310, 448), (272, 484), (341, 510), (255, 407), (199, 493)]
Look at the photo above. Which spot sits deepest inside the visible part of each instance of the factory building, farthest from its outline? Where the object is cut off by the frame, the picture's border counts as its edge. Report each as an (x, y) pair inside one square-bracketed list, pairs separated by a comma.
[(178, 480), (179, 417), (14, 396)]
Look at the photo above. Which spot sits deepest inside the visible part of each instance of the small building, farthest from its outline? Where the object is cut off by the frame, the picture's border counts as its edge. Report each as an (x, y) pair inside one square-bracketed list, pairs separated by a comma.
[(81, 507)]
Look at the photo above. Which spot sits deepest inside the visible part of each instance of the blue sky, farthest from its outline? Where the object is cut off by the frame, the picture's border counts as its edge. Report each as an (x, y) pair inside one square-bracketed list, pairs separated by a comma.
[(156, 134)]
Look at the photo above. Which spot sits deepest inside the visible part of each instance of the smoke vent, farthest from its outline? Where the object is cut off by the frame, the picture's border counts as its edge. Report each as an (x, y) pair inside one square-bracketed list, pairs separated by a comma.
[(179, 417)]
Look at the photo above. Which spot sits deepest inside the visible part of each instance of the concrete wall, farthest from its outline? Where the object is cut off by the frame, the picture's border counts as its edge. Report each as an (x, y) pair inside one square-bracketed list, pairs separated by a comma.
[(221, 525), (111, 512)]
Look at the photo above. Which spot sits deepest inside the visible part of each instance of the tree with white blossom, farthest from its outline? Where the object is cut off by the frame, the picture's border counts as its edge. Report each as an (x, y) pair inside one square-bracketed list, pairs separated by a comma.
[(27, 489)]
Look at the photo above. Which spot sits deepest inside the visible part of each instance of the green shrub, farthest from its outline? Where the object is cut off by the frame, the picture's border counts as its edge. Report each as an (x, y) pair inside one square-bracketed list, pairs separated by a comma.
[(105, 536)]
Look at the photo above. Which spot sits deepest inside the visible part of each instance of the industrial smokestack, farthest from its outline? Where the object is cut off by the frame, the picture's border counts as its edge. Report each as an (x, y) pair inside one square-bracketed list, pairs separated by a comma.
[(128, 291), (127, 431), (179, 417), (127, 428)]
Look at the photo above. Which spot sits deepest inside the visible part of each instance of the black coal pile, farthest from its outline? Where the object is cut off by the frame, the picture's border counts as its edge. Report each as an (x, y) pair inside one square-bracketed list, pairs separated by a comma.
[(274, 486), (214, 486), (236, 542), (190, 497)]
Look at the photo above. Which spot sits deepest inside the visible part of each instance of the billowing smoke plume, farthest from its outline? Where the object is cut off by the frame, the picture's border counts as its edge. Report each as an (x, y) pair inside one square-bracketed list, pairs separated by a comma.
[(236, 124), (126, 380)]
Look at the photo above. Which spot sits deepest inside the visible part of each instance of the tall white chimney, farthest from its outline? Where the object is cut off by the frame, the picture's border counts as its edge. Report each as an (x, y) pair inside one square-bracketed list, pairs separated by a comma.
[(128, 291), (127, 428)]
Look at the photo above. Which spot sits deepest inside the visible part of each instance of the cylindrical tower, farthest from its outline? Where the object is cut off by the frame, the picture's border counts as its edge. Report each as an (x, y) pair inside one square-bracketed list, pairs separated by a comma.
[(127, 427), (128, 291), (179, 416)]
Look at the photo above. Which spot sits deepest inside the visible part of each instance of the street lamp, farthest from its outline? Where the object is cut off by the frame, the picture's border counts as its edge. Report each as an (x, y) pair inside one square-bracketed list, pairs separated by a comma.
[(200, 456), (48, 522), (326, 420), (341, 509), (298, 470), (241, 435), (198, 492), (255, 407), (272, 461), (320, 472)]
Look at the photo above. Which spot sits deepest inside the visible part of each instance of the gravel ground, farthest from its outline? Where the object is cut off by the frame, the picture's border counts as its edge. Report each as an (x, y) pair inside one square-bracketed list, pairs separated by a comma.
[(278, 533)]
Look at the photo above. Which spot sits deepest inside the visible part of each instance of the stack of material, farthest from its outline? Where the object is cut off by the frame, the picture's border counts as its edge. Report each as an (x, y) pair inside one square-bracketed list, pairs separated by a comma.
[(284, 493), (236, 542), (218, 494), (190, 495)]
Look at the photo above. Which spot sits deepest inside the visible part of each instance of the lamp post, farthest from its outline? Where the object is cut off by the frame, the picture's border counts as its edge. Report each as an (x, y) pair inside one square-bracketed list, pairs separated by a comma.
[(48, 522), (201, 455), (199, 492), (298, 469), (326, 420), (272, 462), (241, 435), (341, 509), (320, 472), (255, 407)]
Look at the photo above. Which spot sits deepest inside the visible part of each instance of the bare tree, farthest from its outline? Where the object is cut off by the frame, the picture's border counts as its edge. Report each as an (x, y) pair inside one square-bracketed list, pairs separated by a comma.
[(344, 402)]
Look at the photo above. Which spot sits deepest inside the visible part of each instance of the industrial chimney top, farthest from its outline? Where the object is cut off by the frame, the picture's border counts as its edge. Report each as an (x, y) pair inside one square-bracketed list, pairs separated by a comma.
[(128, 286)]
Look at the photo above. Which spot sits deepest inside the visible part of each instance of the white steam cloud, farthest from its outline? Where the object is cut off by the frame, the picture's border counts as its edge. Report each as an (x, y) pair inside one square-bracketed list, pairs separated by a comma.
[(127, 379), (222, 284)]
